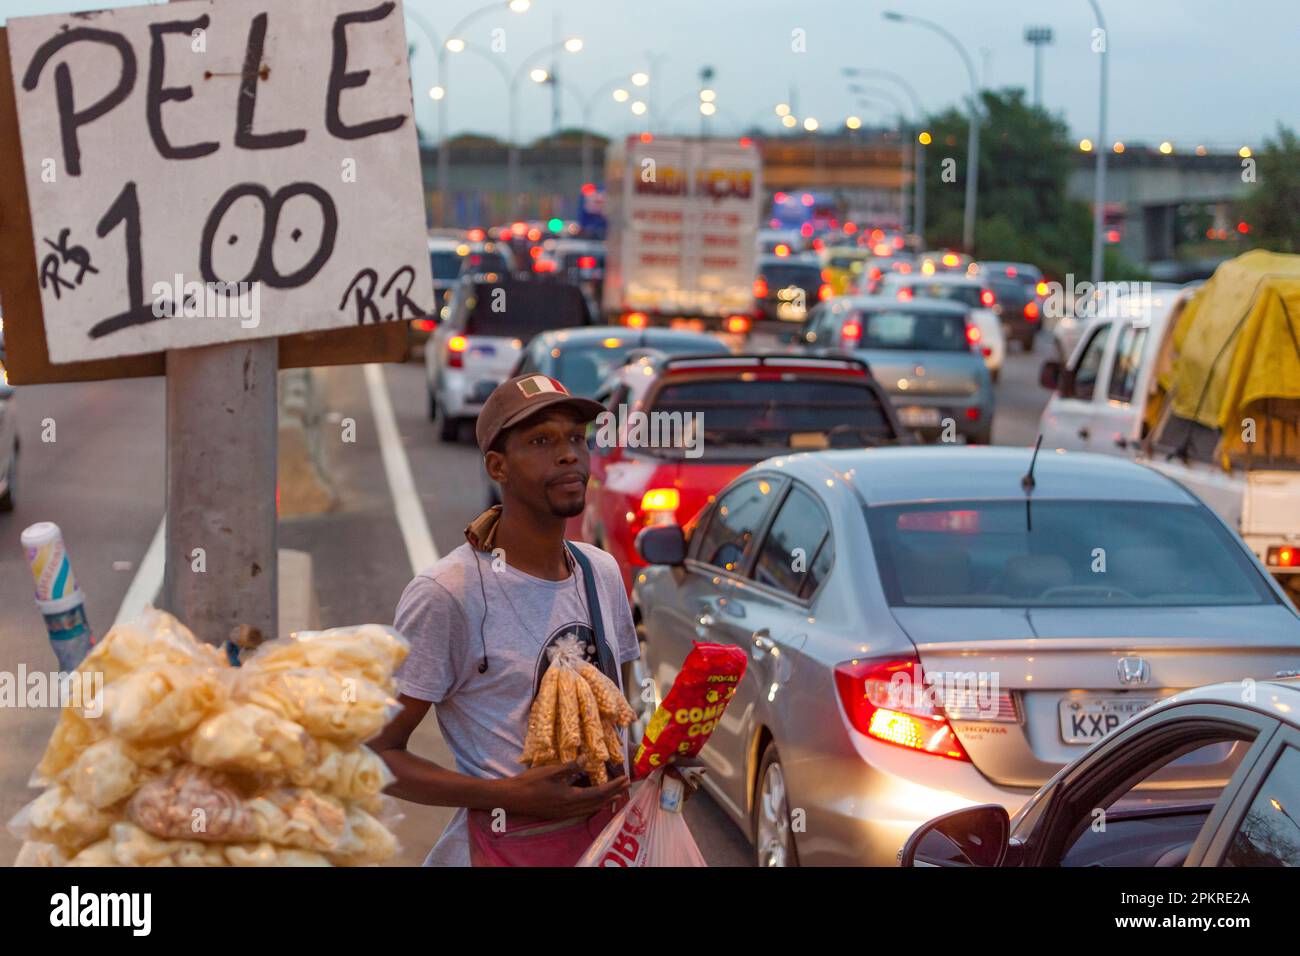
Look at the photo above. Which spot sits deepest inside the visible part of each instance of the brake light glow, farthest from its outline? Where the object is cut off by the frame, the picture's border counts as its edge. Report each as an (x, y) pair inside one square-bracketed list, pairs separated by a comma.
[(1031, 311), (904, 295), (903, 268), (635, 320), (737, 324), (586, 262), (973, 334), (851, 332), (824, 292), (949, 260), (987, 299), (661, 499), (972, 414), (456, 346), (1011, 272), (424, 325), (781, 249), (806, 230), (1041, 288), (1286, 556), (760, 288), (883, 699)]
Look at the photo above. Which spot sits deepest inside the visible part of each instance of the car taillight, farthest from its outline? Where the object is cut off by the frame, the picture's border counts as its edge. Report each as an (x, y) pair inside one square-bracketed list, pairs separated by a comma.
[(875, 273), (972, 414), (885, 699), (903, 267), (586, 262), (737, 324), (904, 295), (635, 320), (824, 292), (659, 505), (456, 346), (987, 299), (760, 288), (1286, 556), (1031, 311), (1011, 272), (424, 325), (851, 333), (1041, 289), (973, 334)]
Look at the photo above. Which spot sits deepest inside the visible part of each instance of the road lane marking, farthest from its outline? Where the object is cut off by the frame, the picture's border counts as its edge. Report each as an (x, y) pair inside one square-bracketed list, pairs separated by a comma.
[(147, 581), (420, 548)]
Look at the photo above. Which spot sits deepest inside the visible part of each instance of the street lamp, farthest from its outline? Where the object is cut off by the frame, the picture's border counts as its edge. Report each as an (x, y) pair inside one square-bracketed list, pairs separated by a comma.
[(1099, 184), (1038, 37), (571, 45), (456, 44), (923, 139), (973, 139), (588, 104)]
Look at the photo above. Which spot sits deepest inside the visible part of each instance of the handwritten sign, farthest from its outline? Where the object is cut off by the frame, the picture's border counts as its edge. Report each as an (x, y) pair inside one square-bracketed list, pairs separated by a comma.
[(205, 172)]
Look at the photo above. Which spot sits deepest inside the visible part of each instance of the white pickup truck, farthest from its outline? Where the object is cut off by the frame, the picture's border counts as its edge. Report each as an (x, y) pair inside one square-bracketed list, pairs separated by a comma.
[(1115, 394), (683, 220)]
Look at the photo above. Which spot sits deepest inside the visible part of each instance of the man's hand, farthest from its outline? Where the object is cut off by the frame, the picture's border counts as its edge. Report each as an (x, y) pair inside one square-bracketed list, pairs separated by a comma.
[(690, 771), (549, 792)]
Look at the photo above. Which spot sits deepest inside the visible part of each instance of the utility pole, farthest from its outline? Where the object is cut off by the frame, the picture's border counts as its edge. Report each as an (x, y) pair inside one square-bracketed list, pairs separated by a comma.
[(1038, 37)]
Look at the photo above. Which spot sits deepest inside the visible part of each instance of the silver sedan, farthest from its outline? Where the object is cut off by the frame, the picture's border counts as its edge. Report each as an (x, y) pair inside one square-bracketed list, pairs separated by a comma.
[(932, 628)]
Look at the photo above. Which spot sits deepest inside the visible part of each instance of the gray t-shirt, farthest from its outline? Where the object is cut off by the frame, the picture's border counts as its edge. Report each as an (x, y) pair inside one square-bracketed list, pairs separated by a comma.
[(484, 716)]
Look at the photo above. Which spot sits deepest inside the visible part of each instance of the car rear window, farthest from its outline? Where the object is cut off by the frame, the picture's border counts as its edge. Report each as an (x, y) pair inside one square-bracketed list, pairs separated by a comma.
[(486, 262), (446, 265), (523, 309), (584, 260), (949, 291), (780, 276), (1012, 291), (913, 331), (756, 418), (1059, 554)]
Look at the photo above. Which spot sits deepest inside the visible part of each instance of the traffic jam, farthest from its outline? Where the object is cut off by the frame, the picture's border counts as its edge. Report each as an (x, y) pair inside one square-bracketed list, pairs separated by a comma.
[(734, 493)]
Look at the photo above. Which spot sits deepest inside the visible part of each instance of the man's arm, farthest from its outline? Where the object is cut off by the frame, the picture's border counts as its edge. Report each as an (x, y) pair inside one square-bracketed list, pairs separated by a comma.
[(546, 792)]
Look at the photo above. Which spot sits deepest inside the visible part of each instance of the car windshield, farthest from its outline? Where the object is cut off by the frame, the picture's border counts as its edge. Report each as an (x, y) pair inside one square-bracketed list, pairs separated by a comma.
[(755, 418), (583, 368), (1059, 554), (913, 331), (965, 293), (522, 309), (446, 265)]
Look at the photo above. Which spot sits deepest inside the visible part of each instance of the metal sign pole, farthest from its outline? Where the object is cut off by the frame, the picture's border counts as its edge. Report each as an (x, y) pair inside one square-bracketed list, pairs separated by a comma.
[(221, 553)]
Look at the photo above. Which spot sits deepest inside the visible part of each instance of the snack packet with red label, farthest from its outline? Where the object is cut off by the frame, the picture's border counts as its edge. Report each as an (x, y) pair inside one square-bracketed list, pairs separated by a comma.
[(682, 723)]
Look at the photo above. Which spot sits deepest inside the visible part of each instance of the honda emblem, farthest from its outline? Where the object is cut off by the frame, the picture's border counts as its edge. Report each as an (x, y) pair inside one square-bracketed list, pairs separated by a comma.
[(1133, 670)]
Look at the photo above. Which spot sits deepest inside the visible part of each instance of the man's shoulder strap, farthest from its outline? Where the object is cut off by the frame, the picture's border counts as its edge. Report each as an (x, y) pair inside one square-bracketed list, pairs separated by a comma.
[(604, 652)]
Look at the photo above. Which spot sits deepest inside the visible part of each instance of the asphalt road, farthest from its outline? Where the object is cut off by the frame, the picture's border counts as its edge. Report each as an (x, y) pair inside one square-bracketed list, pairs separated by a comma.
[(101, 480)]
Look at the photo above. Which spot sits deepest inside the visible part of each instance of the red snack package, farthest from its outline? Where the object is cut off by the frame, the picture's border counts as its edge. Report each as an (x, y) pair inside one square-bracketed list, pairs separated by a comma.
[(682, 723)]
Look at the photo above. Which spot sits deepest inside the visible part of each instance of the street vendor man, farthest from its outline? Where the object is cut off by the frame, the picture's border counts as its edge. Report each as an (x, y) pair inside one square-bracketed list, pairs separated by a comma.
[(480, 622)]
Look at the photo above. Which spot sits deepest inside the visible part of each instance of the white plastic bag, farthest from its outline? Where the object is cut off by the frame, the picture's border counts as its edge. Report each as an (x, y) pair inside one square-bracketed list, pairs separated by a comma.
[(649, 831)]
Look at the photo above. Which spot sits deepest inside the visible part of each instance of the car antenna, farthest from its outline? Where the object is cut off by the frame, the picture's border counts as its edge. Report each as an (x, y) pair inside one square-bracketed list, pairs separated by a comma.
[(1027, 483)]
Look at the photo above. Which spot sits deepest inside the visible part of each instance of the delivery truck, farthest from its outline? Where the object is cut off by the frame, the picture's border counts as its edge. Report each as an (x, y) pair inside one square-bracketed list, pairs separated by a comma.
[(681, 245)]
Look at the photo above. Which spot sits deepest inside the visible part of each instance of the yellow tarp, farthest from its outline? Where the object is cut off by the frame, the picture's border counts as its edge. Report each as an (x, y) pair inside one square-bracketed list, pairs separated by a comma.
[(1238, 341)]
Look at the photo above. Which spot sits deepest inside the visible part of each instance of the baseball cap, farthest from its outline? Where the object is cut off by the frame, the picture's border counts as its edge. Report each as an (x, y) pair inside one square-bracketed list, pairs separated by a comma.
[(522, 397)]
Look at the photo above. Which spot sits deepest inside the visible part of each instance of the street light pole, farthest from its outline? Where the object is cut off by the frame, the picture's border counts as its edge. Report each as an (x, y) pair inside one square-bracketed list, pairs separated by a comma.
[(918, 147), (572, 45), (1038, 37), (973, 137), (1099, 185)]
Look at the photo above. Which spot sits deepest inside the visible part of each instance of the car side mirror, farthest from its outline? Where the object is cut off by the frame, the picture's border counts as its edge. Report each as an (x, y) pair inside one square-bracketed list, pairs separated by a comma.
[(975, 836), (661, 544), (1049, 374)]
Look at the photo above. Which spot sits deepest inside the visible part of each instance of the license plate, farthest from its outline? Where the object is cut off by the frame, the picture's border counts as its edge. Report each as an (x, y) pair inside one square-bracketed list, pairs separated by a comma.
[(917, 415), (692, 325), (1085, 720)]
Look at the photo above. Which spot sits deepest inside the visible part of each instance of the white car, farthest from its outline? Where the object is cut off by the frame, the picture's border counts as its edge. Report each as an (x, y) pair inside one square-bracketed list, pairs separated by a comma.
[(488, 322), (8, 435), (971, 292)]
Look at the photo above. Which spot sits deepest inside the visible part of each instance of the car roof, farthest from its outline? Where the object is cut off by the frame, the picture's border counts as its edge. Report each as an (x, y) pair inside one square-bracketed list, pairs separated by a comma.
[(1278, 697), (962, 473), (869, 303), (640, 338), (942, 278), (999, 264), (444, 244), (798, 259)]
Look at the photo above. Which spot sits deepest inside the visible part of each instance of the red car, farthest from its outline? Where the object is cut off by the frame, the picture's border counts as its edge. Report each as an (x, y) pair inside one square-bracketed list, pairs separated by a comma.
[(678, 429)]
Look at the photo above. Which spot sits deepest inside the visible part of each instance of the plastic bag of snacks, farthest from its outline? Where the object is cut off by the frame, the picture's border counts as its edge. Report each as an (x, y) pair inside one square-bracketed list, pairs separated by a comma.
[(649, 831), (576, 715), (682, 723), (192, 762)]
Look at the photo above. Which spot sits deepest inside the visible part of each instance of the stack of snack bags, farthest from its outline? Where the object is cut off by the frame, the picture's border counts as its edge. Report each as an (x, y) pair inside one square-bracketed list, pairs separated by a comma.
[(187, 761)]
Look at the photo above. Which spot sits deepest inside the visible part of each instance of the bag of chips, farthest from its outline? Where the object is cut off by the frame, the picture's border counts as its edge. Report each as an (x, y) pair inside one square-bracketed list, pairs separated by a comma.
[(682, 723)]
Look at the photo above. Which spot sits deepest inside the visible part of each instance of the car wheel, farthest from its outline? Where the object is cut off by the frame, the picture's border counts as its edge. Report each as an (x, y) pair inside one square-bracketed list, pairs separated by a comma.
[(449, 430), (773, 835), (7, 499)]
